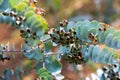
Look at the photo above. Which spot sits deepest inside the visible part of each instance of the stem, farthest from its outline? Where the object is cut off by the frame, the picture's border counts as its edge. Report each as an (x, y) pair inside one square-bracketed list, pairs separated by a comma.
[(46, 40), (12, 51)]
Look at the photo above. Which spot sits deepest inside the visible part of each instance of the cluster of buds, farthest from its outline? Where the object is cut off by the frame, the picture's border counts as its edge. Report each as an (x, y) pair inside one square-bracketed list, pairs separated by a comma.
[(19, 19), (2, 58), (64, 23), (39, 45), (93, 37), (75, 56), (3, 49), (11, 13), (105, 27), (27, 33), (111, 72), (63, 37)]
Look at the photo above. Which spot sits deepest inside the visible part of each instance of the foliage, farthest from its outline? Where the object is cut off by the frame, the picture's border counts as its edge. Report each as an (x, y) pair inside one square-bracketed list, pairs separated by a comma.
[(79, 41), (109, 72)]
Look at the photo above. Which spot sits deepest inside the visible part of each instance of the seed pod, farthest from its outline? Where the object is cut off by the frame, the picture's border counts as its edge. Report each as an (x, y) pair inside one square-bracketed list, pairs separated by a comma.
[(74, 33), (4, 48), (115, 65), (34, 1), (66, 21), (69, 56), (80, 54), (62, 31), (57, 32), (18, 23), (104, 69), (22, 18), (34, 34), (24, 51), (28, 30), (61, 24), (50, 35), (26, 42), (104, 29), (34, 37), (42, 78), (15, 14), (5, 14), (11, 13), (18, 19), (70, 30), (54, 30), (21, 31), (100, 29)]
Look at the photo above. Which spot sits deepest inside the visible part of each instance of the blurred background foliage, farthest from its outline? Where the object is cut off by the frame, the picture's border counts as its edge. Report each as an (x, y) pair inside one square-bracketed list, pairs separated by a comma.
[(107, 11)]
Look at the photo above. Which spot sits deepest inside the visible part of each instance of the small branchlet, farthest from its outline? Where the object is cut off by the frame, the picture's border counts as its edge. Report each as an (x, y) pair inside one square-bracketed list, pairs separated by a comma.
[(75, 56), (111, 72), (63, 37)]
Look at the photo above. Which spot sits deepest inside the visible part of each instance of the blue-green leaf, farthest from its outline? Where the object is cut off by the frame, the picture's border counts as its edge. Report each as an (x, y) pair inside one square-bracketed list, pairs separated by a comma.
[(53, 65), (4, 5)]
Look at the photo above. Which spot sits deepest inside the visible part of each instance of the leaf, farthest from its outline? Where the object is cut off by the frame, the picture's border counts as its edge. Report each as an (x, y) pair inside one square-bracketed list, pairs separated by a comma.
[(53, 65), (18, 74), (33, 53), (109, 31), (114, 42), (103, 77), (36, 22), (43, 24), (84, 49), (64, 49), (118, 44), (7, 19), (43, 72), (13, 3), (106, 58), (108, 40), (48, 46), (85, 23), (29, 9), (38, 54), (100, 37), (39, 66), (70, 25), (83, 32), (59, 77), (8, 74), (4, 5), (21, 6), (95, 53), (101, 55), (29, 14), (93, 24), (30, 54), (88, 54), (77, 28), (1, 19)]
